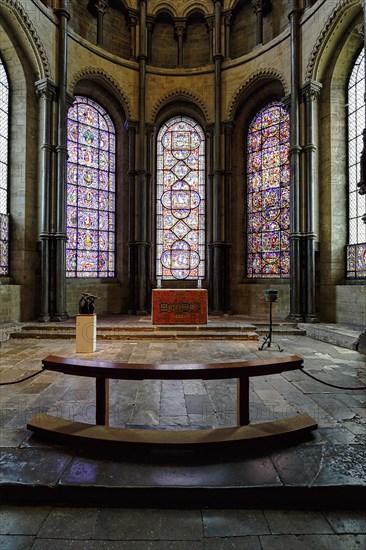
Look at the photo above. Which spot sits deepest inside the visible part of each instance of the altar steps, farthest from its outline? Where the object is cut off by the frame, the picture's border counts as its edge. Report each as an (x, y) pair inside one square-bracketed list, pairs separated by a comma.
[(227, 331)]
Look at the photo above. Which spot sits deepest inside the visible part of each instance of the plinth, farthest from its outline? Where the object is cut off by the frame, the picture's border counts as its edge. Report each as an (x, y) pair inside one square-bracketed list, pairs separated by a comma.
[(179, 307), (86, 333)]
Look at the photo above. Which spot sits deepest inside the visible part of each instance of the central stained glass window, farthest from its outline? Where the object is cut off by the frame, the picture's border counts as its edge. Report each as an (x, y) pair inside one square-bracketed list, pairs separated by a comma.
[(90, 250), (268, 193), (180, 209)]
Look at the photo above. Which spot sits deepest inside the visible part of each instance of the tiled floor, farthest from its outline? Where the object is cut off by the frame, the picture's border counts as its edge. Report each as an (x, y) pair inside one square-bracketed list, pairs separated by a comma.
[(333, 456)]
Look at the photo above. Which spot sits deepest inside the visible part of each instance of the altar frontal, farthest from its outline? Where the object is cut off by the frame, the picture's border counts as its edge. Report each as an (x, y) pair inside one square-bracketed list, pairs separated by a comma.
[(179, 307)]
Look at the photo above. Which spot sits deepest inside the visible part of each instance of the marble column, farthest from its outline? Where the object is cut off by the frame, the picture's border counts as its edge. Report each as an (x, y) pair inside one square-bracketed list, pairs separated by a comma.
[(228, 18), (310, 91), (46, 90), (261, 8)]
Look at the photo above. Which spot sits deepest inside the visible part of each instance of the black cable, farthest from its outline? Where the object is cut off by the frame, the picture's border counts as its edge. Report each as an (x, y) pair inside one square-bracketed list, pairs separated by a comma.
[(21, 379), (333, 385)]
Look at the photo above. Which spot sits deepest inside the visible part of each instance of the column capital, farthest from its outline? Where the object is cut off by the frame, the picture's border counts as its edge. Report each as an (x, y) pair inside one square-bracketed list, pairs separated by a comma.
[(180, 26), (132, 17), (210, 22), (311, 89), (229, 127), (46, 88), (228, 17), (263, 6), (131, 126), (286, 100), (70, 99), (101, 6)]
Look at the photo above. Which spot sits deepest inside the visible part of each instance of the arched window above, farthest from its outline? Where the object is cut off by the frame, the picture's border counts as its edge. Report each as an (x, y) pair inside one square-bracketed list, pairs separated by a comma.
[(356, 249), (180, 208), (4, 176), (268, 193), (90, 249)]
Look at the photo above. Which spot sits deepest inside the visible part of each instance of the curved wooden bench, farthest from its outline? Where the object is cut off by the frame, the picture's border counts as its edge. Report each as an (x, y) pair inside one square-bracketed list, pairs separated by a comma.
[(102, 371)]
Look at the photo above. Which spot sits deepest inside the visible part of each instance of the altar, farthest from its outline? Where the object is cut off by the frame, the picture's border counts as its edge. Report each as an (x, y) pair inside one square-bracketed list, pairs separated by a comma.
[(179, 307)]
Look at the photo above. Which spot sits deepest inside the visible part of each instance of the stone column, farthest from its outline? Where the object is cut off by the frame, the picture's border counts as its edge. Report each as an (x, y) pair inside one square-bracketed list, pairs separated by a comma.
[(101, 7), (61, 151), (228, 18), (218, 267), (261, 8), (139, 246), (46, 90), (131, 128), (310, 91), (210, 26), (180, 29), (295, 150), (132, 23), (150, 24)]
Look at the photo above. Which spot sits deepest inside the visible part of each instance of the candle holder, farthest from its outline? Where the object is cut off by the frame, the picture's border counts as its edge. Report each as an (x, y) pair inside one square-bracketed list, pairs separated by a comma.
[(270, 296)]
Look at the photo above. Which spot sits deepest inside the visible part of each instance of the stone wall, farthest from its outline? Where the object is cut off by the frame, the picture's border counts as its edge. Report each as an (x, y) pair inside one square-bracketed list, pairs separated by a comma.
[(10, 303), (112, 297)]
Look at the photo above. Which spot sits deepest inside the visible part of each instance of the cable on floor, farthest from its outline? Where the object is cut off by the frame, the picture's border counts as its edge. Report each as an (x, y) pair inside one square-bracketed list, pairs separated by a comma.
[(21, 379), (333, 385)]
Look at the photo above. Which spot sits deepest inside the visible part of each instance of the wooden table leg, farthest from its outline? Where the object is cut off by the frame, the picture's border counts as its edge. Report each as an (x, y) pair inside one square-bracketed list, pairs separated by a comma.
[(242, 406), (102, 401)]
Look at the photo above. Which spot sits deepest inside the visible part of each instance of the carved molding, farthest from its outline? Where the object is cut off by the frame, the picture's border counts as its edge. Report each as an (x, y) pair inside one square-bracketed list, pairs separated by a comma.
[(268, 73), (17, 10), (179, 93), (322, 40), (90, 73)]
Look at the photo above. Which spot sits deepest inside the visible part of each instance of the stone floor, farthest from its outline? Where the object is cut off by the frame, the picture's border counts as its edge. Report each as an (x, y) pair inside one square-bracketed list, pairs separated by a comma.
[(301, 494)]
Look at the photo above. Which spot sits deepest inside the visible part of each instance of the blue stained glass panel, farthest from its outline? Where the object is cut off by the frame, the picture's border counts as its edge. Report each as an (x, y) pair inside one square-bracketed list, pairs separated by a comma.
[(90, 249), (268, 193)]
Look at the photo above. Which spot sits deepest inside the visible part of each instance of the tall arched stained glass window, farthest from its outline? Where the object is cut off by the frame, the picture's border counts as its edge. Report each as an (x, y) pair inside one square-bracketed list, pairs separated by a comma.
[(180, 206), (268, 193), (4, 150), (90, 250), (356, 249)]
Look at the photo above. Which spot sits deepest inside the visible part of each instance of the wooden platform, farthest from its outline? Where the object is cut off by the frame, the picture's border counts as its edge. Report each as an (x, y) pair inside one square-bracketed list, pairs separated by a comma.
[(65, 431)]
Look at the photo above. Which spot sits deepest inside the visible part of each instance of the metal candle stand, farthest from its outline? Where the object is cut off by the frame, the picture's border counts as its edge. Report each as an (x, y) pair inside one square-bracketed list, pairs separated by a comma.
[(270, 296)]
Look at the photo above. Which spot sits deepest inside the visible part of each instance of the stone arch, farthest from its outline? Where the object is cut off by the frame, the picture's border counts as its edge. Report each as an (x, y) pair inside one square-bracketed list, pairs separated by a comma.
[(334, 27), (107, 81), (177, 95), (254, 80), (193, 6), (165, 7), (14, 13)]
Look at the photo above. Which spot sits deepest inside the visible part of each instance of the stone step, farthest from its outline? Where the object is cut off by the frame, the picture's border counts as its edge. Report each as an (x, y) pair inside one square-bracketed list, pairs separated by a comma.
[(144, 335)]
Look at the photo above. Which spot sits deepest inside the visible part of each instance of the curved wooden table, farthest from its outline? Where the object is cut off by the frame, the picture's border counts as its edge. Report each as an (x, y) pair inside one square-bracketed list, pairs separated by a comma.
[(67, 431)]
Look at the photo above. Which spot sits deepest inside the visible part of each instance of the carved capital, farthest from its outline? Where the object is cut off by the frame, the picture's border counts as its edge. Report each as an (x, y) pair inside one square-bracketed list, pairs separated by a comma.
[(311, 89), (210, 20), (132, 18), (45, 88), (180, 26), (101, 6), (228, 18), (263, 6)]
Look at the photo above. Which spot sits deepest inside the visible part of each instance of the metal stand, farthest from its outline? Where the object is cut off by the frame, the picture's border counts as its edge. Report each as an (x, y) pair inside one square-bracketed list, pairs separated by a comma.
[(268, 339)]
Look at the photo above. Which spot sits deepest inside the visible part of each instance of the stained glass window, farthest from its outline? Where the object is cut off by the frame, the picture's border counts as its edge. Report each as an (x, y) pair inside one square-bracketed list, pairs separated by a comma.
[(180, 208), (356, 249), (4, 148), (268, 193), (90, 250)]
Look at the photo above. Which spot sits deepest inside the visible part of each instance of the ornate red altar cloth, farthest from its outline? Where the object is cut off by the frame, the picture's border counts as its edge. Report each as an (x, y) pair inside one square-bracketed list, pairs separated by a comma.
[(179, 307)]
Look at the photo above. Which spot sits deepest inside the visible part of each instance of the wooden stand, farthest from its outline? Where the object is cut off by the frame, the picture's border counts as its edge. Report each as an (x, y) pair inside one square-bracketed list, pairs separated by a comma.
[(86, 333)]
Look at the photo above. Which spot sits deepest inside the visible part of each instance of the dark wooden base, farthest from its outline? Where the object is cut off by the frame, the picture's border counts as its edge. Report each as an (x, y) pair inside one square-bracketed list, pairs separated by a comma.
[(65, 431)]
